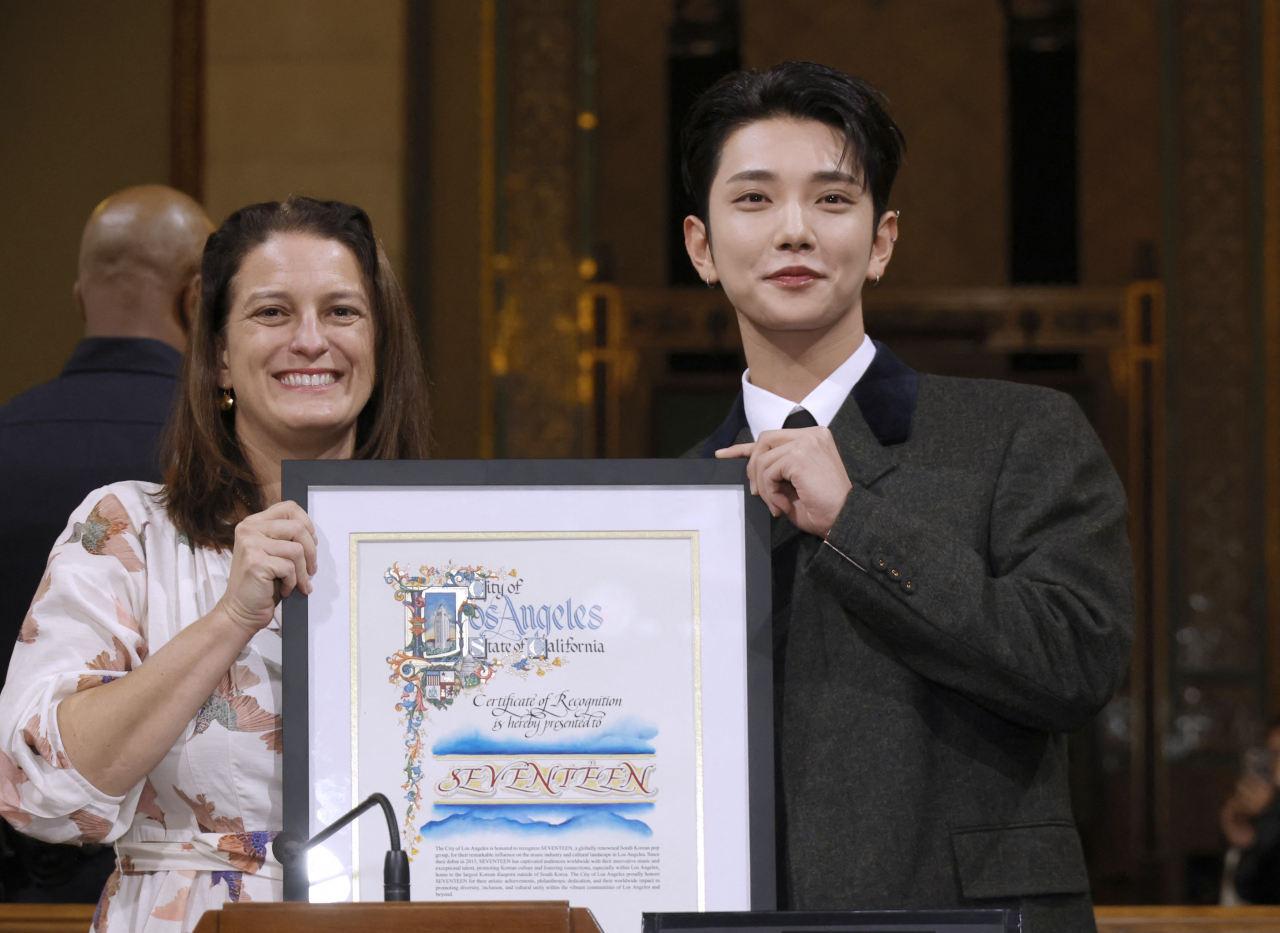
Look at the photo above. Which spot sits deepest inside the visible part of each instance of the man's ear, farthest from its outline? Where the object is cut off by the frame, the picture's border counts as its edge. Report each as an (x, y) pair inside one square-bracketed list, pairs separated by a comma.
[(698, 246), (184, 309), (78, 294), (882, 246)]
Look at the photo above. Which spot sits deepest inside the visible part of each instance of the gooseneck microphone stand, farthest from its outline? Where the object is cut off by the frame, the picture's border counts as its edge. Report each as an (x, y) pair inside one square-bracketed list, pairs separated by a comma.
[(289, 850)]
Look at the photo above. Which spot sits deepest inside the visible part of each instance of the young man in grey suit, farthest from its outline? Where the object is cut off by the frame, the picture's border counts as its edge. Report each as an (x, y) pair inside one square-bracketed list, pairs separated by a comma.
[(952, 581)]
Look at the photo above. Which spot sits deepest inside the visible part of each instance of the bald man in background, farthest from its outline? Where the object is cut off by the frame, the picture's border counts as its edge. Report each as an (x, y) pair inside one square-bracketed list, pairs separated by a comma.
[(97, 423), (100, 420)]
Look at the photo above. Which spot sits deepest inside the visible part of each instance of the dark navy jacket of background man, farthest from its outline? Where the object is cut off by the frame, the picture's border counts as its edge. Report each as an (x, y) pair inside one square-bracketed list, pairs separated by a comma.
[(972, 605), (99, 422)]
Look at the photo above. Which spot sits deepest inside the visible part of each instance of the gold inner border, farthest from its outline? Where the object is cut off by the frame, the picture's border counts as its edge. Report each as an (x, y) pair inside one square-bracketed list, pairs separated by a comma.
[(696, 572)]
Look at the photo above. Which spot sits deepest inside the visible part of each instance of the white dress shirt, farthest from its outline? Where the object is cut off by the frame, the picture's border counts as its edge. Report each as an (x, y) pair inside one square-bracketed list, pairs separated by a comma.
[(766, 411)]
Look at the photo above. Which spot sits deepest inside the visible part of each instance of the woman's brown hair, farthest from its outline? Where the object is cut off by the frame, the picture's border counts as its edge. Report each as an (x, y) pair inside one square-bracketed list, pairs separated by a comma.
[(208, 482)]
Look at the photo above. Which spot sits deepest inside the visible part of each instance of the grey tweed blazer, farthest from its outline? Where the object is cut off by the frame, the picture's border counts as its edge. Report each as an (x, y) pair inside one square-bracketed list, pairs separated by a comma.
[(972, 605)]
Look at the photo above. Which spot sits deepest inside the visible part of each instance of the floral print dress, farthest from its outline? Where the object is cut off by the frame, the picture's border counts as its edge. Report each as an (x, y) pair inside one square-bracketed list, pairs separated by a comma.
[(120, 583)]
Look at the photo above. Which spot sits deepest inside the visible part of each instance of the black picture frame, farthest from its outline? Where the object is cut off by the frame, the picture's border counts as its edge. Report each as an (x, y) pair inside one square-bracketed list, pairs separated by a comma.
[(300, 476)]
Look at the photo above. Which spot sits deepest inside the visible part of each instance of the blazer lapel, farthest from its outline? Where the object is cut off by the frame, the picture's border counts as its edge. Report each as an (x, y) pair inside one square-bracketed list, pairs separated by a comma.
[(876, 417), (886, 395), (865, 459)]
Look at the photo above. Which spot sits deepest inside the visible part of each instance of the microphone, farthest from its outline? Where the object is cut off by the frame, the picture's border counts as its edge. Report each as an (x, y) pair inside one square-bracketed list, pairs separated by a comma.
[(289, 850)]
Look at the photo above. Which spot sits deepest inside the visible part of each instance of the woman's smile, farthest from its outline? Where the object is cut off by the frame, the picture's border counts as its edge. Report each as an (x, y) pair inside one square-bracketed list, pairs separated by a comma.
[(308, 378)]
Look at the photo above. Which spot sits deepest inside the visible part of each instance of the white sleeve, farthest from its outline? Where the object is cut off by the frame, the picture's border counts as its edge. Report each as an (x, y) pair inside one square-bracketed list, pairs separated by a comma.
[(85, 627)]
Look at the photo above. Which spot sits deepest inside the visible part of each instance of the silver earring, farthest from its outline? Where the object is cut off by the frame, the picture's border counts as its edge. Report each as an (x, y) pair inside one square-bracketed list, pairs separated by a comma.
[(710, 284), (877, 280)]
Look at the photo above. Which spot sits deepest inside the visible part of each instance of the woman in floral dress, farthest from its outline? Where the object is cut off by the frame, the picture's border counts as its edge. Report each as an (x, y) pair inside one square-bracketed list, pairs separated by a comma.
[(141, 706)]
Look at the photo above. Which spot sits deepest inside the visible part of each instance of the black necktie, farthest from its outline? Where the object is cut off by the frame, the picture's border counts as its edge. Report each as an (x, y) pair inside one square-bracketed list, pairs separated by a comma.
[(785, 559), (799, 419)]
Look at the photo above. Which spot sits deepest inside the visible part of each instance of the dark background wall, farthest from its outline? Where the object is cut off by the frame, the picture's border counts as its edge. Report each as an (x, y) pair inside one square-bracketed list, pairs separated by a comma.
[(85, 112)]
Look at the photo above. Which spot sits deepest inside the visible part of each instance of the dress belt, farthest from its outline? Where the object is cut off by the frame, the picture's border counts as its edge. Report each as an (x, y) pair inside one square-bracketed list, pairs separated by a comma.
[(242, 852)]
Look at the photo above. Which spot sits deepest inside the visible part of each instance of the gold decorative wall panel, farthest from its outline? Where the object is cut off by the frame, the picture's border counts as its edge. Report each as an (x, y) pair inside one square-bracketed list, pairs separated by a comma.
[(535, 351), (307, 98)]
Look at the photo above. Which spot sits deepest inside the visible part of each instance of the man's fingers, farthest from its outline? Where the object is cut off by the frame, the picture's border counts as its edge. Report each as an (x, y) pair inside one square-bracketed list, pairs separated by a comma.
[(773, 482), (766, 441), (762, 460), (765, 457), (767, 478)]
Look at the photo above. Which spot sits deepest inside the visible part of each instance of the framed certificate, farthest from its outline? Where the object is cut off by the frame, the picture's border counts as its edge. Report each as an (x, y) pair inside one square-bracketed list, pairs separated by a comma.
[(560, 673)]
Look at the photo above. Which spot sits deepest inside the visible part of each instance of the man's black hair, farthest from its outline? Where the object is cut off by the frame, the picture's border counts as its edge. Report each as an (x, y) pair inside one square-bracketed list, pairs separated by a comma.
[(802, 91)]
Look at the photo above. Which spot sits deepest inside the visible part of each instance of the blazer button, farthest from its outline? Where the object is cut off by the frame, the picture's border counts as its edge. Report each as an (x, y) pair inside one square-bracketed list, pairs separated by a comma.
[(894, 574), (908, 587), (881, 563)]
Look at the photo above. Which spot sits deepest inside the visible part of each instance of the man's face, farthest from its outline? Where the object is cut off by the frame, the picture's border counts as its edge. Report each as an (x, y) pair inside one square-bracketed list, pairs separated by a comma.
[(792, 239)]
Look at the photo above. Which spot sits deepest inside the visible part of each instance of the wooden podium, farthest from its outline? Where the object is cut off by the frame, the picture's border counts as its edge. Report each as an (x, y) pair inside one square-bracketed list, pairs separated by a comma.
[(558, 916), (402, 916)]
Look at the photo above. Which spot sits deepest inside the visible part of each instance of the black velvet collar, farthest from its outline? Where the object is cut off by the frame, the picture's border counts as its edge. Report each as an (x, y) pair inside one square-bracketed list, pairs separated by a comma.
[(886, 396)]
